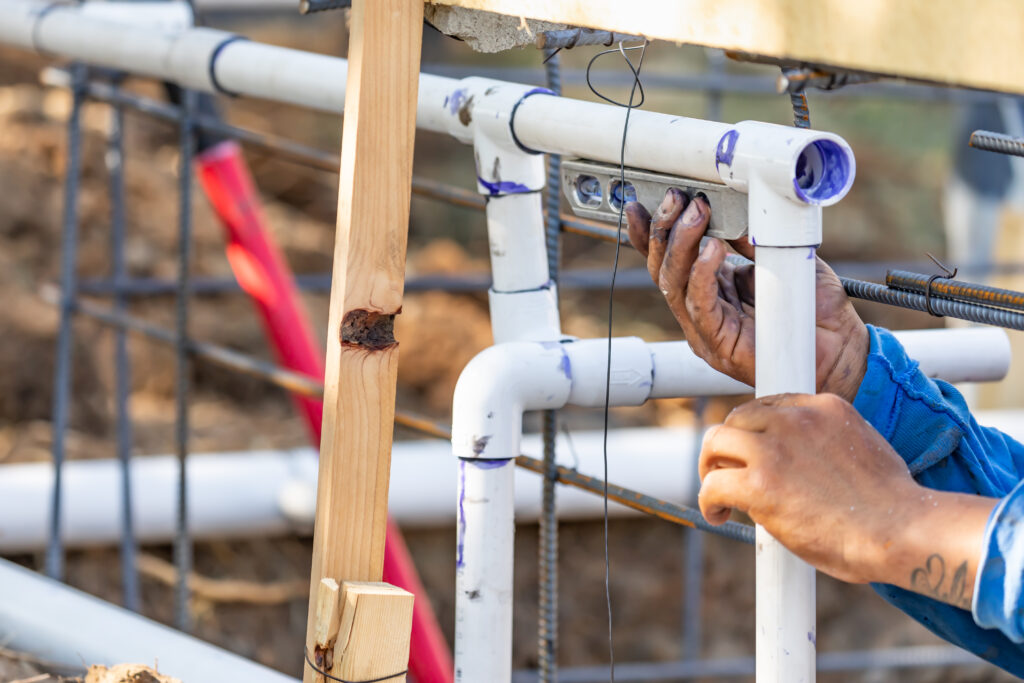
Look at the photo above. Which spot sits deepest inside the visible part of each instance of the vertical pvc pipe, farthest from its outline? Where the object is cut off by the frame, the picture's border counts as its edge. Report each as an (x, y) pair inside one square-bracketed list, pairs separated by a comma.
[(483, 571), (523, 307), (784, 280)]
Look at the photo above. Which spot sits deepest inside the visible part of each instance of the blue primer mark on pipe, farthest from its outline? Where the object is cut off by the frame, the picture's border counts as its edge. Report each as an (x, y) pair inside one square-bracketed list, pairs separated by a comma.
[(459, 563), (810, 253), (489, 464), (812, 639), (503, 187), (455, 100), (565, 366), (837, 172), (727, 148), (480, 444)]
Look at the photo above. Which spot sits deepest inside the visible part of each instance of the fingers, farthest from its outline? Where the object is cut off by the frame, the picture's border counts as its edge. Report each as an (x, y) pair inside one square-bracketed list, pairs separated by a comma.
[(702, 302), (661, 227), (638, 222), (721, 491), (681, 251), (727, 447), (743, 247), (743, 279)]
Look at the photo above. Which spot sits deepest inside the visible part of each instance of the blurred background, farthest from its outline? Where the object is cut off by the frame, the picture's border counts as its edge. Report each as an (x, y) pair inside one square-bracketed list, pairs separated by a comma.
[(915, 176)]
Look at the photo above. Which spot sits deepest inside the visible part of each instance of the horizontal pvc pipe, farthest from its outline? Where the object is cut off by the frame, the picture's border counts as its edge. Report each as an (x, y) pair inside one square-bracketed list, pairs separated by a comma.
[(213, 61), (59, 624), (261, 493)]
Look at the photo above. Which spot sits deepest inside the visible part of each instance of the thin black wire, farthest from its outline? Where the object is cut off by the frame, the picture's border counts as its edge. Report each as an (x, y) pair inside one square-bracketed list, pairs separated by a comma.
[(611, 304), (325, 674), (122, 371), (54, 562)]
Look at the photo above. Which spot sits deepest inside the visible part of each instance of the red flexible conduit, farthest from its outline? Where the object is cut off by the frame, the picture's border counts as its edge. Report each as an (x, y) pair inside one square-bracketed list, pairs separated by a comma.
[(262, 272)]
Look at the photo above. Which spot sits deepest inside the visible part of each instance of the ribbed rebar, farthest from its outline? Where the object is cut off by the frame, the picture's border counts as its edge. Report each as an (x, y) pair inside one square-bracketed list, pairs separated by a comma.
[(576, 37), (547, 551), (662, 509), (693, 553), (990, 141), (182, 541), (122, 370), (975, 313), (311, 6), (54, 562), (955, 290)]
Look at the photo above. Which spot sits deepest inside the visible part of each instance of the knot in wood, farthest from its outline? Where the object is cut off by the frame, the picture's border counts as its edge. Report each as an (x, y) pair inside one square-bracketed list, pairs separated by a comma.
[(368, 329)]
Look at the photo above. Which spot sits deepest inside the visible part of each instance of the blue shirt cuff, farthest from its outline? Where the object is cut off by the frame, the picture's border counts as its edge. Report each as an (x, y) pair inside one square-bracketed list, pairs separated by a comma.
[(999, 586)]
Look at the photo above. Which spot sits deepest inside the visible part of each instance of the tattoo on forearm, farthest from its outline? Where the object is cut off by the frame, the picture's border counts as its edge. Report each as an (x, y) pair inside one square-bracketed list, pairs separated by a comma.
[(930, 580)]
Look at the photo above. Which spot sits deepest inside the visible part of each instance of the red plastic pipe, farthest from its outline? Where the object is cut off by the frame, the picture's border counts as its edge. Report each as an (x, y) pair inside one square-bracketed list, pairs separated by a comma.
[(262, 272)]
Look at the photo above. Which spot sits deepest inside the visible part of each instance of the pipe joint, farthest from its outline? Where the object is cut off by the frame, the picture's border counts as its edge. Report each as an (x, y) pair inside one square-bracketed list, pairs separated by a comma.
[(482, 111), (788, 175)]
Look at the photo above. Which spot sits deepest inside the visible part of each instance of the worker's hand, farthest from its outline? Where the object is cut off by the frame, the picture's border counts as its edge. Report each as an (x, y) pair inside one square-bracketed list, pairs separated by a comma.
[(713, 300), (817, 476)]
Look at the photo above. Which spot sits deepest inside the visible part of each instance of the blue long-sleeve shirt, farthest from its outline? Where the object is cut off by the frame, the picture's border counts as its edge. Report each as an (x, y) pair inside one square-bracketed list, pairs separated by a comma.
[(928, 423)]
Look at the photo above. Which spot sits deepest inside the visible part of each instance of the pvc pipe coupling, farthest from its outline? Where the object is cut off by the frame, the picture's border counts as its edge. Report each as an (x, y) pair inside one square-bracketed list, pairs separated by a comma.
[(788, 174)]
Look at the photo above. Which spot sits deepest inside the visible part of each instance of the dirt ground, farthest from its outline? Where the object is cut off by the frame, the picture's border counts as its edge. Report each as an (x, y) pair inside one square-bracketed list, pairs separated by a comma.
[(439, 333)]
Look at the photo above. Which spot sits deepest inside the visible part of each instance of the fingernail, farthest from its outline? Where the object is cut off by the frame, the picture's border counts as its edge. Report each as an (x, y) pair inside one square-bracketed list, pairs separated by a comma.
[(693, 212), (709, 251), (670, 201)]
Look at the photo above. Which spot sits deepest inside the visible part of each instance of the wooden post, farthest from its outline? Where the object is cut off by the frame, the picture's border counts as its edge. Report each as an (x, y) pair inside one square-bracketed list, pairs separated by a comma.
[(366, 294)]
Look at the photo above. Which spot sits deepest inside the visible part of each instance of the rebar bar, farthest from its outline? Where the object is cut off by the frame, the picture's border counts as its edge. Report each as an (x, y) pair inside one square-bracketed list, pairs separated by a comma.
[(54, 562), (311, 6), (955, 290), (693, 554), (1001, 143), (122, 370), (975, 313), (576, 37), (662, 509), (182, 541), (547, 551), (230, 359)]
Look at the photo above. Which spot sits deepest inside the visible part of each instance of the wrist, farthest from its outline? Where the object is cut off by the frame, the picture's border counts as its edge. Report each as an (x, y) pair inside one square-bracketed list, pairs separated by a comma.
[(852, 363)]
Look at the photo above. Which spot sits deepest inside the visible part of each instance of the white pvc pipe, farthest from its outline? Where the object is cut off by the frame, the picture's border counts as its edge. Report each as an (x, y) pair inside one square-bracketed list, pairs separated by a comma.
[(785, 362), (463, 108), (484, 563), (266, 493), (59, 624)]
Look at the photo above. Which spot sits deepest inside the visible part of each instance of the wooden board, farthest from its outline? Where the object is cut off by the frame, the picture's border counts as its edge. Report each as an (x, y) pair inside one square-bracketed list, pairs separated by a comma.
[(366, 294), (976, 43), (373, 637)]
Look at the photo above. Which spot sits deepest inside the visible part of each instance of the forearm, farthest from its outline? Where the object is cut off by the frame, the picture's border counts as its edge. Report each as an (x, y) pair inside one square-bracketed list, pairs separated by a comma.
[(933, 545)]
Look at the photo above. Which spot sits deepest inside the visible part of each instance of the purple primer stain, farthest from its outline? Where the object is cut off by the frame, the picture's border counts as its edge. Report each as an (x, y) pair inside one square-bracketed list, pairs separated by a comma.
[(812, 639), (455, 100), (565, 366), (837, 170), (480, 444), (753, 242), (501, 187), (459, 563), (727, 148), (810, 253), (489, 464)]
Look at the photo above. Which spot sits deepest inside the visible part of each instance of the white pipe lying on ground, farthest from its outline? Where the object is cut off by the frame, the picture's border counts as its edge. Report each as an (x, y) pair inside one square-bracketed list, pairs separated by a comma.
[(62, 625), (260, 493)]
